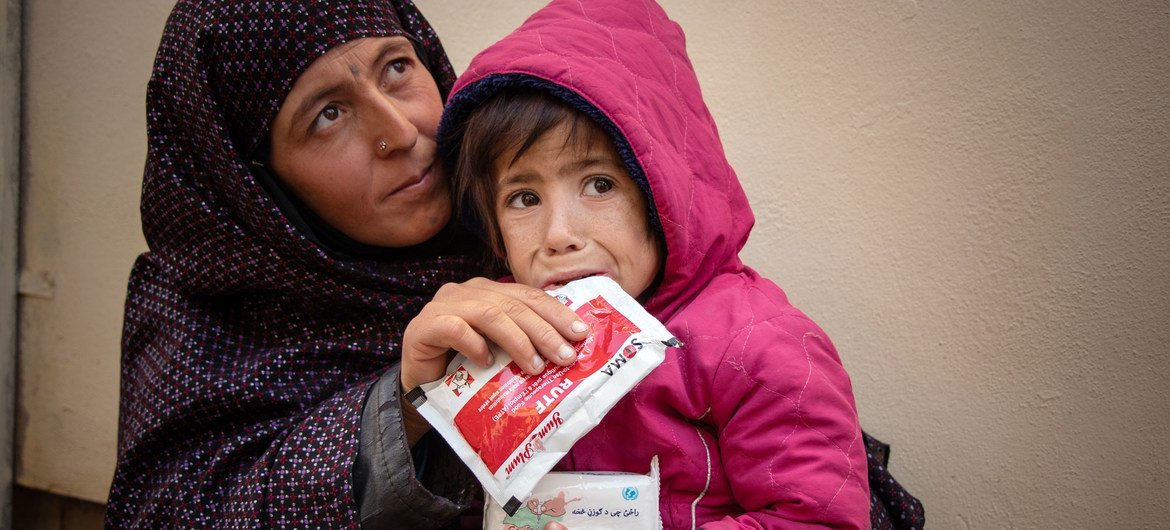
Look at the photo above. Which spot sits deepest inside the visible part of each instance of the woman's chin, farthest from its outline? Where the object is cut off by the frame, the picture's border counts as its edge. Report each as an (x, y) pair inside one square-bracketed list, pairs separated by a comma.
[(419, 228)]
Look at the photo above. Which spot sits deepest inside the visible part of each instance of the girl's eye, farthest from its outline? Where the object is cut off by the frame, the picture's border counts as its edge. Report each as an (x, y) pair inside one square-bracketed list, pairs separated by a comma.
[(522, 199), (598, 185), (326, 117)]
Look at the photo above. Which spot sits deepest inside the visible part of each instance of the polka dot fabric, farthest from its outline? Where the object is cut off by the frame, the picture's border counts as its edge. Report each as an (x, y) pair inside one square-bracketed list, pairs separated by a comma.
[(247, 349), (891, 507)]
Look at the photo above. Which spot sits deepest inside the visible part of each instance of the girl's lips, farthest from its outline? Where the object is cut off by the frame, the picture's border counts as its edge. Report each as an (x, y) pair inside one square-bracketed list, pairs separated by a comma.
[(561, 279)]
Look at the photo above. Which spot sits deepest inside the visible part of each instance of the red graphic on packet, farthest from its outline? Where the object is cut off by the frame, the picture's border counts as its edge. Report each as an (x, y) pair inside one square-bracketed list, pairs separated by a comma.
[(501, 417), (459, 380)]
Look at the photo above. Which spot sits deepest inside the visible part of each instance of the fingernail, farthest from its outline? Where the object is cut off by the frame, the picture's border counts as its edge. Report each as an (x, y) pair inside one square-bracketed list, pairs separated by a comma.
[(566, 352), (538, 363), (579, 327)]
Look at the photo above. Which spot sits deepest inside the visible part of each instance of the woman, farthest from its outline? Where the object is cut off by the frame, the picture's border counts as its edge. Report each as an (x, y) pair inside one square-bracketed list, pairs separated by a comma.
[(296, 224)]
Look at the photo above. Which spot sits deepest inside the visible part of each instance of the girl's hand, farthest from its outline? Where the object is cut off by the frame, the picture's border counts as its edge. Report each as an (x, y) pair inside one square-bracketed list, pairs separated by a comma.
[(524, 321)]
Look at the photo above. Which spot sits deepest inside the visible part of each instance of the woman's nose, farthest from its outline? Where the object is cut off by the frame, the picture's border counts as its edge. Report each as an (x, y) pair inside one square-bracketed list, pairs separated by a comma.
[(390, 125)]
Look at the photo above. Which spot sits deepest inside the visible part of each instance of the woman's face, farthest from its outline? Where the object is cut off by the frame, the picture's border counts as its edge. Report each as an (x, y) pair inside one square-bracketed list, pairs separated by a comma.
[(355, 141)]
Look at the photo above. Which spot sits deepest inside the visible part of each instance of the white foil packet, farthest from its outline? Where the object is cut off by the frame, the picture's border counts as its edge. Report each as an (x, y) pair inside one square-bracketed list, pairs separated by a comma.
[(594, 500), (511, 428)]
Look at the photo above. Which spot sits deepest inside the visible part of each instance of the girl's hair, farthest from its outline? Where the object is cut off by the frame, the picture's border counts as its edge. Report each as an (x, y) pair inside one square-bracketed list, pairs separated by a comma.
[(511, 119)]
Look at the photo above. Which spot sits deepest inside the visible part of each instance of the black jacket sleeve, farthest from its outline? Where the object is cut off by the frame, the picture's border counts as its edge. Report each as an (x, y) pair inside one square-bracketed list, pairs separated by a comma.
[(396, 487)]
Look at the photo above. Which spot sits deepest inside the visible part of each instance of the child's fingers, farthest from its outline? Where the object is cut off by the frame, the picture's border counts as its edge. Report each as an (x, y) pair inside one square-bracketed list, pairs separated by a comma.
[(463, 326), (426, 341), (500, 323), (523, 334), (455, 333), (547, 322), (521, 320)]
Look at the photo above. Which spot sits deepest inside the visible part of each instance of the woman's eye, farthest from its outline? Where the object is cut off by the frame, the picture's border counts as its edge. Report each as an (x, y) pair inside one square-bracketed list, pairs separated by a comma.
[(396, 69), (326, 117), (523, 199), (598, 186)]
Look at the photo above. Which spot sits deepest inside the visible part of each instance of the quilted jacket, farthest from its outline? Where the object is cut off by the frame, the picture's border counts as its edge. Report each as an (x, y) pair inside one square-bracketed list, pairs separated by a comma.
[(753, 420)]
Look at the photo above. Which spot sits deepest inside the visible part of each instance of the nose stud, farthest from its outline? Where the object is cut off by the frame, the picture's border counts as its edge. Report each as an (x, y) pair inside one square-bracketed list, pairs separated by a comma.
[(382, 145)]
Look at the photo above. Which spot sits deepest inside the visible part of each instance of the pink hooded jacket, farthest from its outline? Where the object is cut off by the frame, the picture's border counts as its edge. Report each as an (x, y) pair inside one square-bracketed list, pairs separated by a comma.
[(753, 420)]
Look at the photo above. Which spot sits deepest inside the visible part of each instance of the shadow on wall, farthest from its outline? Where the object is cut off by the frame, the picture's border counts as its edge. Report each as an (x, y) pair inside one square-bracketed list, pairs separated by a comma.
[(46, 511)]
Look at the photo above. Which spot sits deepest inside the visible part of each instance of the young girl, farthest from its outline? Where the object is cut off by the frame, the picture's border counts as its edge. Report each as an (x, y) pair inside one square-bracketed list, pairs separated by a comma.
[(582, 146)]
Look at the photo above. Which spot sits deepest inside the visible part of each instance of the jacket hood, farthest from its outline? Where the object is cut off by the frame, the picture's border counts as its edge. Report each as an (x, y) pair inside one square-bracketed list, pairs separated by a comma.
[(624, 64)]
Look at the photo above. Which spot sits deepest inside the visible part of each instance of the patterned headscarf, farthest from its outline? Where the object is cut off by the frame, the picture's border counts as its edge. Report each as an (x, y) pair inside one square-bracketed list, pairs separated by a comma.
[(247, 347)]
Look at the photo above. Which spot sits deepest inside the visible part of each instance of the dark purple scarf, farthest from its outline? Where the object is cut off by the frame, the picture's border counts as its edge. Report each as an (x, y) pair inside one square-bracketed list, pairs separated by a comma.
[(247, 347)]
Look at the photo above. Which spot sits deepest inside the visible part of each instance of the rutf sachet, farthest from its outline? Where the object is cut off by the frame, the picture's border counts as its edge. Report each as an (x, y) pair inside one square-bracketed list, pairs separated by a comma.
[(511, 428)]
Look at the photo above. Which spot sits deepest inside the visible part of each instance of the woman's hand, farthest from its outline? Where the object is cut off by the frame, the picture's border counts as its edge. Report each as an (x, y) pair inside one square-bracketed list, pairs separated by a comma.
[(524, 321)]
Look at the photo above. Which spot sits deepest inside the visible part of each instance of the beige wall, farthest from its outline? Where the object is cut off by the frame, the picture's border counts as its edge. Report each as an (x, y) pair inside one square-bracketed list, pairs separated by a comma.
[(974, 201), (86, 65)]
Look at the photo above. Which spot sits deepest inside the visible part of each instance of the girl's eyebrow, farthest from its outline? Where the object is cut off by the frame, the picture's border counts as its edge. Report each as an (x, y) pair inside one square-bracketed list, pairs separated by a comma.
[(586, 163), (524, 177), (392, 47), (514, 179)]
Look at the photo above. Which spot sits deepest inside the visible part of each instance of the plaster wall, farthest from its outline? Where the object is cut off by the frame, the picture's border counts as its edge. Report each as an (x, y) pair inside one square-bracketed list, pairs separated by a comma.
[(973, 200), (84, 145)]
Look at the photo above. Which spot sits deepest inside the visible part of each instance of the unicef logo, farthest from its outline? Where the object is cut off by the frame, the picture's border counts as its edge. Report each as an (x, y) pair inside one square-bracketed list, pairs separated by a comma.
[(630, 493)]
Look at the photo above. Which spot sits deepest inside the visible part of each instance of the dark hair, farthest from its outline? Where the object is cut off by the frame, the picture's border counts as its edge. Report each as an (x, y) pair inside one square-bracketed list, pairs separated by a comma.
[(511, 119)]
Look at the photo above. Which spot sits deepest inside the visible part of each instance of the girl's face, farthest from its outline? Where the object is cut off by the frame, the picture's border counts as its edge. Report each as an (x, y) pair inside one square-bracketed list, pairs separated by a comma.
[(567, 210), (355, 140)]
